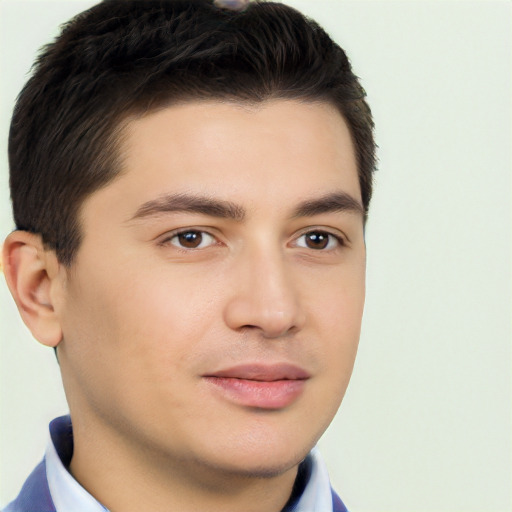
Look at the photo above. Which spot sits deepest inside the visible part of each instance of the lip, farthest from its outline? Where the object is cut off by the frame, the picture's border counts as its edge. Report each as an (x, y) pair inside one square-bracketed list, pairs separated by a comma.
[(260, 386)]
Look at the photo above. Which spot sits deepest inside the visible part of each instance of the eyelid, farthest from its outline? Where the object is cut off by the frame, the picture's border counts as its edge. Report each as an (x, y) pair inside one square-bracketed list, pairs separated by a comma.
[(165, 239), (341, 237)]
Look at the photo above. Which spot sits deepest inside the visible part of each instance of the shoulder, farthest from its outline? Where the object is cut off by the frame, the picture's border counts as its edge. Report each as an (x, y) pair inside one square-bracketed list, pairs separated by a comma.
[(34, 495)]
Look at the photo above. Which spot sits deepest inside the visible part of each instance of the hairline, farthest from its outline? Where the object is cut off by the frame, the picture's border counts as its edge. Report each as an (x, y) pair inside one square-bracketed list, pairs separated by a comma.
[(118, 134)]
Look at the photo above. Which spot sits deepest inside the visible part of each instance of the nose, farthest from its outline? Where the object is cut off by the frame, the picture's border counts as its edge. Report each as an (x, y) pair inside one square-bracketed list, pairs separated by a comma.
[(264, 296)]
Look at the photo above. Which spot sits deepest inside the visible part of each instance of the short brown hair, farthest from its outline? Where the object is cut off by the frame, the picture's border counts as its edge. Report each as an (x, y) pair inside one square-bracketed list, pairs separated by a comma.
[(128, 57)]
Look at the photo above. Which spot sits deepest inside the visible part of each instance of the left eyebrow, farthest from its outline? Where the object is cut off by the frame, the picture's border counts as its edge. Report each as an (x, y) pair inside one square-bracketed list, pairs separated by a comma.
[(334, 202)]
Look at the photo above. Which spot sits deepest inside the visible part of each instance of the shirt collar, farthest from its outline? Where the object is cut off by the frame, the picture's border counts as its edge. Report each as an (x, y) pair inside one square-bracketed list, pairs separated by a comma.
[(68, 494), (317, 495)]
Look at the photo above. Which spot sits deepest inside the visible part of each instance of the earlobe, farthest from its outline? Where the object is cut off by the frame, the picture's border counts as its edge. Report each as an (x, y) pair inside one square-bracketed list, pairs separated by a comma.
[(32, 274)]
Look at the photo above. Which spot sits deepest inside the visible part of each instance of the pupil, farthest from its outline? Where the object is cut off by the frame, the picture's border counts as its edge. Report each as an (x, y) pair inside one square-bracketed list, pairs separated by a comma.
[(190, 239), (317, 240)]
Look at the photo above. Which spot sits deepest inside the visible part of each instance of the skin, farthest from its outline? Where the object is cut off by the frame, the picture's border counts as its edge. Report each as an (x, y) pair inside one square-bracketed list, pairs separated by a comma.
[(139, 319)]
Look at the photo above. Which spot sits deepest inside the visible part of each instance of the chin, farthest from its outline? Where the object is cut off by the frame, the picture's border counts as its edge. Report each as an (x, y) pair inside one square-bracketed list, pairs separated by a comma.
[(263, 460)]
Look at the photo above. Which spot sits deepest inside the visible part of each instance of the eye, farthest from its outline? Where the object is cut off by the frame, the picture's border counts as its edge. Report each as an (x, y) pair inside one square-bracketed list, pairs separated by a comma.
[(319, 240), (191, 239)]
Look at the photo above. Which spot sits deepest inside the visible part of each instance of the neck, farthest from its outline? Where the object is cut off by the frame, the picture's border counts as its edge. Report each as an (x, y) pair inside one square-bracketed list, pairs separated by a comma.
[(129, 479)]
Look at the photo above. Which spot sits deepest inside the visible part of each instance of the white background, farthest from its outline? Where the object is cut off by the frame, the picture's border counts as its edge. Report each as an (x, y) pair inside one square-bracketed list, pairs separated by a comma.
[(426, 422)]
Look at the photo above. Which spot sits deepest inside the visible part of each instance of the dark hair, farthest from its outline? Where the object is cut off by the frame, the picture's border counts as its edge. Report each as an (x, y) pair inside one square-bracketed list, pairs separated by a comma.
[(125, 58)]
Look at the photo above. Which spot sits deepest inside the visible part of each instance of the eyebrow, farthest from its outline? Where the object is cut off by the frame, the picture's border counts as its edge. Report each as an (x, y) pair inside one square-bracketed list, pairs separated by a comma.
[(189, 203), (334, 202)]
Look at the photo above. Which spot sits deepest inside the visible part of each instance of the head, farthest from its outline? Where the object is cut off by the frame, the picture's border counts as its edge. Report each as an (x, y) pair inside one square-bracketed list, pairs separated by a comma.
[(190, 186), (123, 59)]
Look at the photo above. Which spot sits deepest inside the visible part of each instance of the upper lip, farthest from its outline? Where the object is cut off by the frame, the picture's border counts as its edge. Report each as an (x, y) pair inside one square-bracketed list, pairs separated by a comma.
[(263, 372)]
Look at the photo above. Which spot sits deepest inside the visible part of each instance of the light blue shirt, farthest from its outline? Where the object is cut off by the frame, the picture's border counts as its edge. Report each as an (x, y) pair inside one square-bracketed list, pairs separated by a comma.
[(69, 496)]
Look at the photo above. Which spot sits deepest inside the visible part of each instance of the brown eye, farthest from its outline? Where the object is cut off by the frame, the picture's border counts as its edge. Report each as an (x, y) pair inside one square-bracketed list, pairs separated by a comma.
[(318, 240), (192, 239)]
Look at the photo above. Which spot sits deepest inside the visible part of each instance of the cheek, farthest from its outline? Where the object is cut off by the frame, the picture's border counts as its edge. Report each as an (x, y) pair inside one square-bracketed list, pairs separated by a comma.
[(339, 301), (157, 326), (132, 337), (338, 321)]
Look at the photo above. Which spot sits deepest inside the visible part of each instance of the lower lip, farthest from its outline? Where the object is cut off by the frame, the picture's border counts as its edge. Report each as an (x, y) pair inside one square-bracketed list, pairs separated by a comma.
[(260, 394)]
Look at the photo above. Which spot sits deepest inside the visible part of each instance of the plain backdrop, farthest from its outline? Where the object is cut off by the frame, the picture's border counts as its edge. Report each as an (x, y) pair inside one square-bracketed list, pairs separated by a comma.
[(426, 423)]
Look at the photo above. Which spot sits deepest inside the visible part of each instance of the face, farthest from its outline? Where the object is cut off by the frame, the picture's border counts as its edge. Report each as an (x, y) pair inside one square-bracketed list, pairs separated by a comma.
[(213, 311)]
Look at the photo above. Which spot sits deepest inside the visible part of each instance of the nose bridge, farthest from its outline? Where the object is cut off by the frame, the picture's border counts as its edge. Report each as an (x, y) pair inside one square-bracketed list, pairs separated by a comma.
[(264, 295)]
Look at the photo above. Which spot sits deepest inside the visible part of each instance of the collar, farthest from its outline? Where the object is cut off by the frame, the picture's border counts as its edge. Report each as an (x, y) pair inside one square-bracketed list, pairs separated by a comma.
[(312, 491), (67, 494)]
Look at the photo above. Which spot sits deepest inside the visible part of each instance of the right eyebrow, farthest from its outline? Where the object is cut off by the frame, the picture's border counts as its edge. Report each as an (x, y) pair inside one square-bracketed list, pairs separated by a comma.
[(189, 203)]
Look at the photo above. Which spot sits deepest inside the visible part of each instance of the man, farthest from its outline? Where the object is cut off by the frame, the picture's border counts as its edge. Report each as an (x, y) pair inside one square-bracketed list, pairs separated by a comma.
[(190, 183)]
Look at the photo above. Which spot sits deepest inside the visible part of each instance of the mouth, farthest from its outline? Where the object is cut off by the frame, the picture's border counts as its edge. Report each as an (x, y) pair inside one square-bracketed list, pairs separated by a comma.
[(259, 386)]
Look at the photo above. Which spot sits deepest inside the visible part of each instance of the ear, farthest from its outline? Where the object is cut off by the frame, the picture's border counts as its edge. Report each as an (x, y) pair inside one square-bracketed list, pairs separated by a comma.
[(33, 275)]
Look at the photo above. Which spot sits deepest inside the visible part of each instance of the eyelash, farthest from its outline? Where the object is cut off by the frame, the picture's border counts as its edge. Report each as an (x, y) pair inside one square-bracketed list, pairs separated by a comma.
[(338, 240), (174, 235)]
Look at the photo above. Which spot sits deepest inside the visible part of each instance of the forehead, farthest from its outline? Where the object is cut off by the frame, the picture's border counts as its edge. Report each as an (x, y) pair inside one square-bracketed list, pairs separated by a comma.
[(268, 154)]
